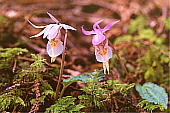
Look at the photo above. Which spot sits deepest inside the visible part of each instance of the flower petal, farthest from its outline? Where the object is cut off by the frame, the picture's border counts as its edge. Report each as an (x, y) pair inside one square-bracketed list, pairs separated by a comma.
[(47, 29), (53, 32), (96, 24), (39, 34), (87, 32), (108, 26), (67, 27), (53, 18), (54, 51), (35, 25), (98, 38), (103, 58)]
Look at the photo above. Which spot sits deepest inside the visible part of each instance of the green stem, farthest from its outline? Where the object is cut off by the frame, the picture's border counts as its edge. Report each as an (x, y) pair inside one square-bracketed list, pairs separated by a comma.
[(118, 57), (61, 68), (62, 91)]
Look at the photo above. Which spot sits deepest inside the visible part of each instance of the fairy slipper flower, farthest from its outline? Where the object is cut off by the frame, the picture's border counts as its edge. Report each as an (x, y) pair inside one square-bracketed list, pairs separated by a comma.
[(98, 32), (103, 52), (52, 32)]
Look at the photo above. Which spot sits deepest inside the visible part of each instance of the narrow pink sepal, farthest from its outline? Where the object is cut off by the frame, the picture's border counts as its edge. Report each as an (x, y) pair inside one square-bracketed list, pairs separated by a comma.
[(39, 34), (96, 24), (108, 26), (47, 30), (53, 32), (53, 18), (87, 32), (67, 27), (35, 25)]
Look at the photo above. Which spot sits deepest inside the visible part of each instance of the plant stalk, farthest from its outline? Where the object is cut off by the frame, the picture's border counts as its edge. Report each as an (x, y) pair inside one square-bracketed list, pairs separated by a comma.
[(118, 57), (62, 91), (62, 67)]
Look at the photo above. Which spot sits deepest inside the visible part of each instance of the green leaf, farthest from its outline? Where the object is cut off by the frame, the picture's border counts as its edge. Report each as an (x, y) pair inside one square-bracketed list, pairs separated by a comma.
[(153, 93), (98, 75)]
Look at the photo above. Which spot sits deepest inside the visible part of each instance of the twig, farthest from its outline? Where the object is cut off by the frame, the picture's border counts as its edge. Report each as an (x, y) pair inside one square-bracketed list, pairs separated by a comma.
[(14, 67), (35, 107), (17, 85), (62, 67), (116, 106), (118, 57), (15, 107)]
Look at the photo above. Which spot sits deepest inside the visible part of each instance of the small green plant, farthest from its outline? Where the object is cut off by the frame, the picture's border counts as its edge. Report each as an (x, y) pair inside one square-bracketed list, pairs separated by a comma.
[(94, 94), (150, 106), (65, 105), (119, 87), (155, 66), (153, 93), (7, 56), (15, 94), (9, 99)]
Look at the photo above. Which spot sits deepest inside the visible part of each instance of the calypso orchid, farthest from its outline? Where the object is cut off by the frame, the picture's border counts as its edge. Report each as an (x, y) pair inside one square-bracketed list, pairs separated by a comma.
[(103, 52), (52, 32)]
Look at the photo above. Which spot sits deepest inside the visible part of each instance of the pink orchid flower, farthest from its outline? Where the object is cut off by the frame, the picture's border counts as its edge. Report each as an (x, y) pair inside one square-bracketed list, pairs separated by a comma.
[(98, 32), (52, 32), (103, 52)]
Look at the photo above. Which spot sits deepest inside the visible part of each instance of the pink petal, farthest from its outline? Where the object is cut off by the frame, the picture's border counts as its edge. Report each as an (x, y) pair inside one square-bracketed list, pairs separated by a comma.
[(108, 26), (87, 32), (96, 24), (53, 18), (98, 38), (39, 34), (67, 27), (53, 32), (103, 58), (47, 29), (35, 25), (56, 50)]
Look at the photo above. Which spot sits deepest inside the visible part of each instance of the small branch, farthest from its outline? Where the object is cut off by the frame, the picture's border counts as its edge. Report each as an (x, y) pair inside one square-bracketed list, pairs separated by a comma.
[(62, 67), (118, 57), (15, 107), (17, 85), (62, 91), (35, 107), (14, 67)]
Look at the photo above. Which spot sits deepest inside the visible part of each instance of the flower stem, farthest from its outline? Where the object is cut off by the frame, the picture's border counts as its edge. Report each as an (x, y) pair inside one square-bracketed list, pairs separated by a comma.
[(64, 88), (118, 57), (62, 67)]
